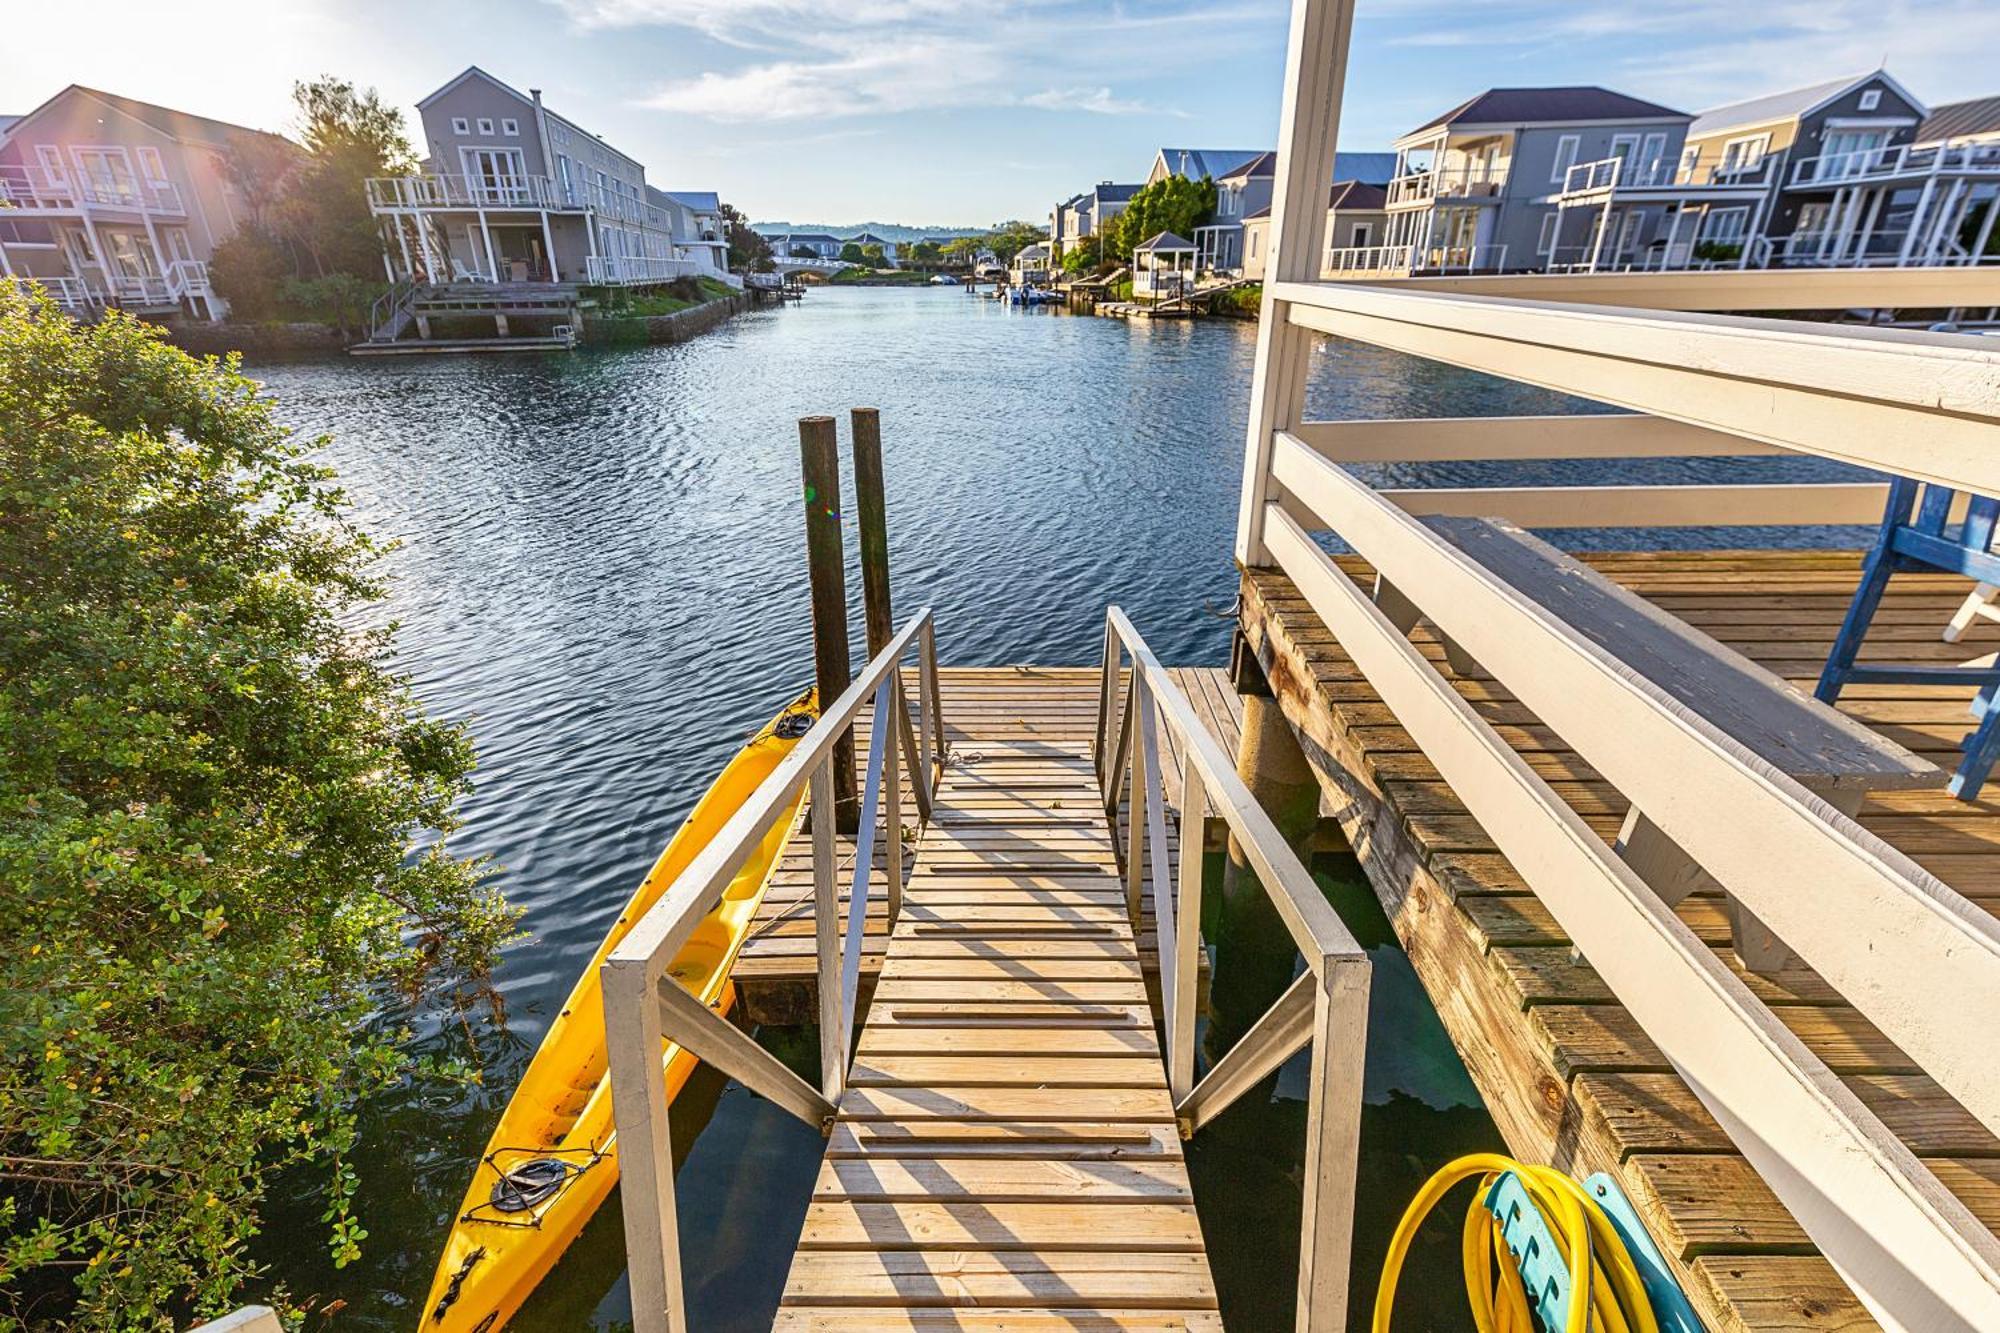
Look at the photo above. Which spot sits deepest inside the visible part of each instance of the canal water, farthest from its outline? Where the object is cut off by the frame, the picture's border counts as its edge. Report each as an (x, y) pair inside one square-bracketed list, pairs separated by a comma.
[(602, 572)]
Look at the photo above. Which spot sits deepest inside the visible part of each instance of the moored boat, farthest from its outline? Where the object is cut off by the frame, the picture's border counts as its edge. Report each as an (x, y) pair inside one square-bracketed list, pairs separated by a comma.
[(553, 1157)]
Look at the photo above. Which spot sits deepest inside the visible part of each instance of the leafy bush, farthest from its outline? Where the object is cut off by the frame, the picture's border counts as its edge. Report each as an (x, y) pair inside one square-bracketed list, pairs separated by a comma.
[(250, 270), (339, 300), (1717, 252), (208, 796)]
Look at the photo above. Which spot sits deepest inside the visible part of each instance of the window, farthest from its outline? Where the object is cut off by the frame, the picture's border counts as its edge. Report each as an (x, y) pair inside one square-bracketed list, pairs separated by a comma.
[(1623, 146), (1255, 236), (1690, 156), (460, 125), (1871, 99), (486, 124), (1565, 157), (1744, 154), (1362, 236), (1652, 157), (510, 126), (152, 167), (1551, 223), (1725, 226)]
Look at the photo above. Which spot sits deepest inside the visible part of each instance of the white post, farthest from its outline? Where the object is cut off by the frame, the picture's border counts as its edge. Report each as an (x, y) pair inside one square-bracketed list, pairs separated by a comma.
[(1877, 201), (1137, 701), (549, 246), (1986, 229), (424, 247), (1333, 1139), (403, 247), (486, 239), (1309, 123), (1947, 221), (826, 932), (892, 798), (1916, 220), (1186, 944), (633, 1042)]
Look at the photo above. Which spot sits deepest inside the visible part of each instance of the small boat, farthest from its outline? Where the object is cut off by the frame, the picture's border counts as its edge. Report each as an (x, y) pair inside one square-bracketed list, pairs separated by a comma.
[(943, 280), (553, 1158)]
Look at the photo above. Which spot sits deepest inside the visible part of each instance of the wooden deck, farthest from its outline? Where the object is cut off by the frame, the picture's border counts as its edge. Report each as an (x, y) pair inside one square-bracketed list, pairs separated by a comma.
[(1565, 1071), (991, 714), (1005, 1155)]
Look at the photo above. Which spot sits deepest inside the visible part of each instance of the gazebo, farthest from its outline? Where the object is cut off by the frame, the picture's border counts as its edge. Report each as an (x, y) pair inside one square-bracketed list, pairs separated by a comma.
[(1163, 266)]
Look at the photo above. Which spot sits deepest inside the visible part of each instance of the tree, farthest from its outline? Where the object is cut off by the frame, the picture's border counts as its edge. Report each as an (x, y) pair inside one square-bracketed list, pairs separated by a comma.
[(208, 799), (250, 270), (872, 254), (749, 252), (852, 254), (1174, 204), (1010, 238), (925, 254), (348, 136)]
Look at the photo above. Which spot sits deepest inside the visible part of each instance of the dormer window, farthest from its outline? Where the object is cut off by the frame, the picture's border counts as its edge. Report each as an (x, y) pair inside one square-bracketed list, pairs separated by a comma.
[(460, 125), (1871, 99), (486, 125), (510, 127)]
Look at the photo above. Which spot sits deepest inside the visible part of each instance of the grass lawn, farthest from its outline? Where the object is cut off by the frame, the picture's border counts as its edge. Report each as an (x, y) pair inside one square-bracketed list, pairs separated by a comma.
[(681, 294)]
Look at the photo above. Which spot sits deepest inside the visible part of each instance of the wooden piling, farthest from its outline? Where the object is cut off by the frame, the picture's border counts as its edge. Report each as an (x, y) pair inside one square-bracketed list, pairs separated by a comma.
[(819, 458), (872, 520)]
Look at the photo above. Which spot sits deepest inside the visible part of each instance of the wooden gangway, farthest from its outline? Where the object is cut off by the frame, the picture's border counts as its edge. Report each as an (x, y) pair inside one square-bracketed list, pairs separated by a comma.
[(1004, 1134), (1007, 1141)]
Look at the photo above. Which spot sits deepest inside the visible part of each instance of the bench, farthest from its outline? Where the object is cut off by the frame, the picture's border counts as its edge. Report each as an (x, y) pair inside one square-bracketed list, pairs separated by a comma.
[(1822, 749)]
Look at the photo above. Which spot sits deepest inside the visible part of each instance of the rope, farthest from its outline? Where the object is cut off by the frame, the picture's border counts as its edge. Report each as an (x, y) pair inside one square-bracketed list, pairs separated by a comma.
[(1605, 1294)]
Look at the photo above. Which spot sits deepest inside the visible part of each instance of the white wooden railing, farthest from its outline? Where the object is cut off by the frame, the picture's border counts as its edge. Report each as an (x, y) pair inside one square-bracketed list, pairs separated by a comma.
[(1910, 953), (612, 269), (72, 294), (1611, 173), (1468, 180), (36, 187), (1327, 1005), (1871, 164), (644, 1006), (441, 191), (1370, 259)]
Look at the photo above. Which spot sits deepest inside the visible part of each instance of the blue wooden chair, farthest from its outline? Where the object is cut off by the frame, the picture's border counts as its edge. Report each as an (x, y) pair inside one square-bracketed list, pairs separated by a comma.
[(1916, 536)]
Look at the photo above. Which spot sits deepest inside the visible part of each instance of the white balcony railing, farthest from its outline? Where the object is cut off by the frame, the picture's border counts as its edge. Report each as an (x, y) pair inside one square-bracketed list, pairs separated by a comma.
[(1460, 258), (37, 188), (188, 277), (1615, 173), (1475, 180), (1370, 259), (539, 193), (1877, 164), (72, 294), (614, 269)]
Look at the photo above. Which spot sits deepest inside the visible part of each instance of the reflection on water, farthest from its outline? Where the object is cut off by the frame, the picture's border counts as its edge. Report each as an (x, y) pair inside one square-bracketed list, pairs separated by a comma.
[(602, 571)]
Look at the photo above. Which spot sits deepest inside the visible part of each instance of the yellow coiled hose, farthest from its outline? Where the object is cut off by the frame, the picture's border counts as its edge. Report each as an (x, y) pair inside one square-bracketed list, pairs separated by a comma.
[(1605, 1292)]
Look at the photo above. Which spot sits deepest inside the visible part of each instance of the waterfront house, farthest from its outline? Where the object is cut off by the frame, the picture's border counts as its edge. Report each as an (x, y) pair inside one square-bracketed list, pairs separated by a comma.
[(1245, 192), (1199, 163), (1069, 221), (699, 231), (1356, 219), (513, 192), (1031, 265), (110, 201), (1473, 186), (1844, 188), (868, 238), (806, 245)]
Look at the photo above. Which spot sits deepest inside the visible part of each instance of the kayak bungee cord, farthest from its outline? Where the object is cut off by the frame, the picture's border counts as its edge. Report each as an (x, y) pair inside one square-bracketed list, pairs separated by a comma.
[(1605, 1291)]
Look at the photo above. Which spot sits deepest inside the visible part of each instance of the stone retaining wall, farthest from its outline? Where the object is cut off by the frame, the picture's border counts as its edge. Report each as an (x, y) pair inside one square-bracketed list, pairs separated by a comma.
[(674, 328)]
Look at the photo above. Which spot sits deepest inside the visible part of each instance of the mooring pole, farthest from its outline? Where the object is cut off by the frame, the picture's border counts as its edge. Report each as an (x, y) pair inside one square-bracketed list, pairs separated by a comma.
[(819, 458), (871, 512), (871, 515)]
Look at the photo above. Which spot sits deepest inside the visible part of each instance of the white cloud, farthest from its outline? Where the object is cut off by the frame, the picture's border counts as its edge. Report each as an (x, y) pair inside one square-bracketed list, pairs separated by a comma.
[(835, 58)]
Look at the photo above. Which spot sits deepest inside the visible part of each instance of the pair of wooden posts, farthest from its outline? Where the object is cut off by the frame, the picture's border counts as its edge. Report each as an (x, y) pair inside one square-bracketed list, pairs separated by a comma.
[(819, 456)]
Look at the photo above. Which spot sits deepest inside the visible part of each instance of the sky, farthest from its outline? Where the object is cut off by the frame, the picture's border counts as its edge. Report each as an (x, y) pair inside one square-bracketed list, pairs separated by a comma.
[(965, 112)]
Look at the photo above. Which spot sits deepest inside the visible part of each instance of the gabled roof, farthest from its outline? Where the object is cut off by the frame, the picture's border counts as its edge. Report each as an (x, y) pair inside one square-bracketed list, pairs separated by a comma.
[(182, 125), (701, 201), (869, 238), (1956, 120), (1788, 105), (1165, 240), (1107, 193), (473, 71), (1194, 163), (1375, 168), (809, 237), (1358, 195), (1035, 251), (1530, 106)]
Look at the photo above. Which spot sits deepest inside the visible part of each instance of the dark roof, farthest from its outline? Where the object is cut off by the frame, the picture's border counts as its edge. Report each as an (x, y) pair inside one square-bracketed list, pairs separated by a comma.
[(1515, 106), (1264, 164), (1108, 193), (1358, 195), (1981, 115), (1166, 240), (1263, 212), (179, 124), (1373, 167), (801, 237)]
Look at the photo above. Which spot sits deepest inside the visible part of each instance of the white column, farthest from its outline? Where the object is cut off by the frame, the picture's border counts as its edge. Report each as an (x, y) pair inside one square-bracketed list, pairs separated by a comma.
[(549, 245), (1986, 228), (1877, 203), (1916, 220), (1947, 224), (403, 247), (1309, 124), (424, 246), (486, 239)]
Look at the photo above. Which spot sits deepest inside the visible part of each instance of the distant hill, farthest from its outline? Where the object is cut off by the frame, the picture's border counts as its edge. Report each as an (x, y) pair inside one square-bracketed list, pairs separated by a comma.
[(888, 231)]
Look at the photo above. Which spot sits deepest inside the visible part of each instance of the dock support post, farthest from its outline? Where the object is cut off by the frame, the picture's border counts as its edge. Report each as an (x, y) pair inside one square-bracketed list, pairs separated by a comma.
[(871, 512), (819, 456)]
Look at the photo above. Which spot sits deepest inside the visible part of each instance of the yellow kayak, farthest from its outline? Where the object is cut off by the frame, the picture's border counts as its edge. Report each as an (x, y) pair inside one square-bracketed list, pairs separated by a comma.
[(554, 1155)]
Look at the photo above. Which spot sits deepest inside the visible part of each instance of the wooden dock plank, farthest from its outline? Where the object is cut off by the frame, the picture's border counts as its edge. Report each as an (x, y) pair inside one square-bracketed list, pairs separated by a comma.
[(1006, 1147), (1564, 1070)]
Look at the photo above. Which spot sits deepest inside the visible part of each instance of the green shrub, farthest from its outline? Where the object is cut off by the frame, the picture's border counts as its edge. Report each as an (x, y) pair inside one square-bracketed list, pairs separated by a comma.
[(209, 792)]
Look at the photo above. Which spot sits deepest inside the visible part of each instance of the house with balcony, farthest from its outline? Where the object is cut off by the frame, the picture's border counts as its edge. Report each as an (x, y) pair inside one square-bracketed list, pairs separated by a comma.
[(806, 245), (1221, 244), (1850, 186), (700, 232), (1472, 187), (1356, 220), (514, 193), (109, 201), (868, 238)]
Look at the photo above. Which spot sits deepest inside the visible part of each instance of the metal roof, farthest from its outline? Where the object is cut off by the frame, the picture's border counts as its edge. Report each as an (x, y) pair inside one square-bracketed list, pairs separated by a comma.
[(1375, 168), (1957, 120), (1522, 106), (1787, 105), (701, 201), (1215, 163), (1166, 240)]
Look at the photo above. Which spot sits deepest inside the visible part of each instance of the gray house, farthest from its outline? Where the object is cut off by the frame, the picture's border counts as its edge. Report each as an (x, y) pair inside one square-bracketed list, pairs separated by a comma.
[(513, 192), (1245, 192), (1474, 187)]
